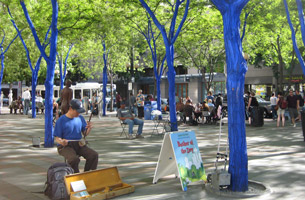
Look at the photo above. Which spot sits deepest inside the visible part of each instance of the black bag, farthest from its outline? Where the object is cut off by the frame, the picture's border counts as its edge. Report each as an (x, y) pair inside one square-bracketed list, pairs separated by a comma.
[(194, 123), (257, 116), (95, 111), (55, 184)]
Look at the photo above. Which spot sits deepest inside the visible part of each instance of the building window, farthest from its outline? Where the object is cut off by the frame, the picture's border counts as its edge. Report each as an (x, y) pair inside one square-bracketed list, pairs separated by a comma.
[(216, 88), (219, 87), (77, 94), (86, 92), (182, 90)]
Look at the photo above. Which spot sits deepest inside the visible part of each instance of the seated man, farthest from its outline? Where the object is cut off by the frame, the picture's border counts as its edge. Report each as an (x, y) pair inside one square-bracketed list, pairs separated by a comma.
[(14, 107), (126, 116), (39, 103), (68, 134), (188, 112)]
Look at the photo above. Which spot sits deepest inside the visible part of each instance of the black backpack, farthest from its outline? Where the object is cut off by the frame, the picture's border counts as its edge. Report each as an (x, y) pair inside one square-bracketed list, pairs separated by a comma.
[(55, 184)]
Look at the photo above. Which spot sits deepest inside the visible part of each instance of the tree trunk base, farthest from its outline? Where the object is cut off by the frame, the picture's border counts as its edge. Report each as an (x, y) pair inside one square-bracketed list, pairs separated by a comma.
[(254, 189)]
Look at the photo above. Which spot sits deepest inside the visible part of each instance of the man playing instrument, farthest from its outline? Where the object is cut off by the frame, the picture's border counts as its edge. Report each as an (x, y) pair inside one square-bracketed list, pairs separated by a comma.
[(68, 134)]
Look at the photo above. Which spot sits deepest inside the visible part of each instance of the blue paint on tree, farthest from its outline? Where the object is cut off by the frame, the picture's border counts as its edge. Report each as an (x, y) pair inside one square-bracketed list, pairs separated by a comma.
[(151, 39), (63, 72), (2, 52), (105, 77), (294, 40), (37, 66), (236, 70), (169, 41), (51, 61)]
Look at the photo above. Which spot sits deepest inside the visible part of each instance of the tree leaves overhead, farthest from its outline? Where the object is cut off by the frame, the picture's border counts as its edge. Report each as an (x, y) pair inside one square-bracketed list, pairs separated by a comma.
[(265, 24), (82, 22)]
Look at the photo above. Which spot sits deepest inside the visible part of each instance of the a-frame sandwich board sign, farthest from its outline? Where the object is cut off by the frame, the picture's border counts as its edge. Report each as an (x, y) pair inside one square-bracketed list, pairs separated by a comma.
[(180, 155)]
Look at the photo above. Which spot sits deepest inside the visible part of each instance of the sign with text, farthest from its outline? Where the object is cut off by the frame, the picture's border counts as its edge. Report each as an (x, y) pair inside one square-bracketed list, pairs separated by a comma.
[(180, 155)]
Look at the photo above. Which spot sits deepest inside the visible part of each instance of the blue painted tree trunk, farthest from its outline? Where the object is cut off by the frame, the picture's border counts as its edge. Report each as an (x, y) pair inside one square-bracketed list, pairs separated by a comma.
[(294, 40), (105, 78), (34, 84), (169, 41), (51, 61), (236, 70), (171, 74)]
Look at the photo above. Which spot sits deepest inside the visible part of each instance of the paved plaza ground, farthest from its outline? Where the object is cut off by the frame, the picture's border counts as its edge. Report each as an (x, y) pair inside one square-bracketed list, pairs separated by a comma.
[(276, 159)]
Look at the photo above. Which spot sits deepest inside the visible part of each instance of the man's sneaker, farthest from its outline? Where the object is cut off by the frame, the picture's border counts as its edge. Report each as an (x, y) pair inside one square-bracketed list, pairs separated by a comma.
[(130, 137), (139, 136), (295, 125)]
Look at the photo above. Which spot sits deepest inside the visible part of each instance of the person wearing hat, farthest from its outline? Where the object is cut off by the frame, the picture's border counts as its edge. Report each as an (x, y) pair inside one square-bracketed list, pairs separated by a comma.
[(68, 133), (140, 103)]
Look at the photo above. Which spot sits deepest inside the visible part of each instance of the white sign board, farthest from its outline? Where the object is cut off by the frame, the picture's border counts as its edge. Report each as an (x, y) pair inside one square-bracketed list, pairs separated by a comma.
[(180, 155)]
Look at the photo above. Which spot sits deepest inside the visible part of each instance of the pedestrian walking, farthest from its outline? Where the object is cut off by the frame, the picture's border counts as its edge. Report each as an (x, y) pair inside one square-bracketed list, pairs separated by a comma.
[(293, 106), (280, 110), (273, 100)]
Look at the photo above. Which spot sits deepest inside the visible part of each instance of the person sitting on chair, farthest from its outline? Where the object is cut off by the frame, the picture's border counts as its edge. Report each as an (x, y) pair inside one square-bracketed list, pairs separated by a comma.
[(68, 133), (126, 116)]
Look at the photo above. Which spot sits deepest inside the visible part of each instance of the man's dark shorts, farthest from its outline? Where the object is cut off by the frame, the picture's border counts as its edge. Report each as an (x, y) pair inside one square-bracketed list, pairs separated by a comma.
[(293, 112)]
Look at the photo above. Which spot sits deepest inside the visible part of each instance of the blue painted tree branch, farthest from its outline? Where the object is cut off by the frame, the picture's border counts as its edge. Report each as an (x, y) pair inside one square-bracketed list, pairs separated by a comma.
[(245, 23), (294, 40), (169, 46), (51, 61), (150, 38), (62, 71), (301, 18), (26, 14), (181, 23), (236, 70), (37, 66), (2, 55)]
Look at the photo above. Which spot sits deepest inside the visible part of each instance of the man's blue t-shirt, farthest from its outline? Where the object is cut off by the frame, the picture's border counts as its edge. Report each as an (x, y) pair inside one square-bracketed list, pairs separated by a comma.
[(70, 129)]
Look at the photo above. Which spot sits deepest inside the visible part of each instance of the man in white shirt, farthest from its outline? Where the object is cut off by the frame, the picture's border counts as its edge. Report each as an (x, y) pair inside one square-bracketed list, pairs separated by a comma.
[(26, 96), (273, 104)]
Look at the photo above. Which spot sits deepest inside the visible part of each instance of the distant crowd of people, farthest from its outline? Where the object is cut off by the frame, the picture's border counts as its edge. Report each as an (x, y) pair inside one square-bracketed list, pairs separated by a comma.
[(208, 110), (23, 103), (293, 102)]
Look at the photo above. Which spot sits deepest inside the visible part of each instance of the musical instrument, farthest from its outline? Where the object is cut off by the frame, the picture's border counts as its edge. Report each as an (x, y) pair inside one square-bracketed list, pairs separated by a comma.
[(83, 141)]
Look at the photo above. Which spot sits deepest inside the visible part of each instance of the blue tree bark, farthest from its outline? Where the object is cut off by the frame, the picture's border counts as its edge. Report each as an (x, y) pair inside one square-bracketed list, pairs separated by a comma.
[(169, 41), (2, 52), (236, 70), (105, 77), (63, 72), (294, 40), (51, 61)]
